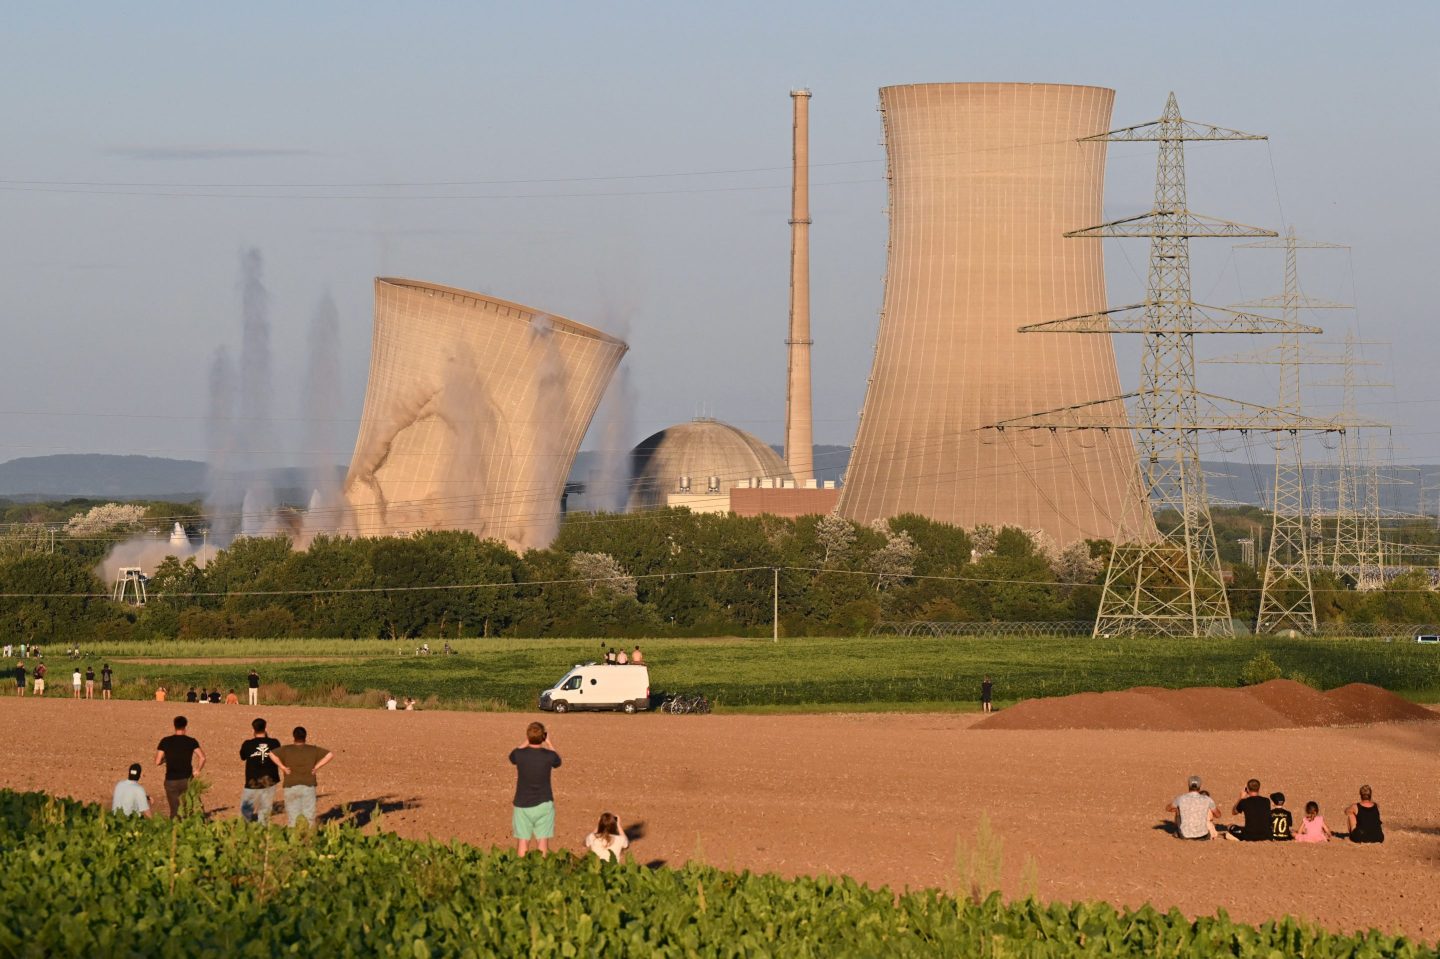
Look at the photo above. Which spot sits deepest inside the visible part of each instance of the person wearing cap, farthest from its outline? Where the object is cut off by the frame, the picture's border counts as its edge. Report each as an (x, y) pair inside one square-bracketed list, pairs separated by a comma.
[(1194, 812), (130, 798)]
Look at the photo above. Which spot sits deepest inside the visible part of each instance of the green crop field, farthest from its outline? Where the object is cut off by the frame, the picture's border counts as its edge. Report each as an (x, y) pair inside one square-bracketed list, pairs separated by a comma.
[(84, 883), (750, 674)]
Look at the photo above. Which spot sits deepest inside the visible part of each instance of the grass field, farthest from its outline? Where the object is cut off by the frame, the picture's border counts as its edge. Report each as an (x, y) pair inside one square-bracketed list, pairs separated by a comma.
[(749, 674)]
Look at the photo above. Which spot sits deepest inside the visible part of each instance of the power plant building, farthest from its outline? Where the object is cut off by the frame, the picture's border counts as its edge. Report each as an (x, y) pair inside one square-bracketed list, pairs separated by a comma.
[(474, 411), (985, 180), (697, 464)]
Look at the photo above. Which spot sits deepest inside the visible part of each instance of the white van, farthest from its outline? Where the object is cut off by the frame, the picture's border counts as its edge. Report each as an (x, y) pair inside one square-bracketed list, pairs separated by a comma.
[(598, 686)]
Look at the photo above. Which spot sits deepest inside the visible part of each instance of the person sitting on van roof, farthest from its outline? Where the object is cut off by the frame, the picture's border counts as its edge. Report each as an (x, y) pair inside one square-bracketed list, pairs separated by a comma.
[(610, 656), (621, 659), (637, 657)]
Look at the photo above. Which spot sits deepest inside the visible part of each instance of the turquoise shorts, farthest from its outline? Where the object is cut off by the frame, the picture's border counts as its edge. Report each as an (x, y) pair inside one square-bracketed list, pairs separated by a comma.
[(534, 822)]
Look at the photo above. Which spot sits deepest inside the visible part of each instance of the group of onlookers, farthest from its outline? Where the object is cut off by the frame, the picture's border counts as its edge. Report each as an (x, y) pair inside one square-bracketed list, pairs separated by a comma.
[(268, 766), (620, 658), (78, 680), (1266, 819)]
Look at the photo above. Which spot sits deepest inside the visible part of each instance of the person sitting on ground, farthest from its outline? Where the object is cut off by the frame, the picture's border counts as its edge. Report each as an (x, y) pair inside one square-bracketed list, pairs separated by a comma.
[(637, 658), (448, 650), (130, 798), (231, 699), (1256, 810), (1194, 812), (160, 694), (1280, 818), (409, 704), (215, 697), (390, 703), (621, 659), (191, 696), (1312, 827), (608, 840), (1364, 819)]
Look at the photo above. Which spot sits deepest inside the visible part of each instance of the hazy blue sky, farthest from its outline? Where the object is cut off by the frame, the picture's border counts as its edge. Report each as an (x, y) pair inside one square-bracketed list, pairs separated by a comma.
[(292, 112)]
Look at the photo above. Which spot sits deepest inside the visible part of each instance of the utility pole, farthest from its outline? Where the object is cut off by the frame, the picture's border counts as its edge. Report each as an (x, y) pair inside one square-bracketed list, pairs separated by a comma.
[(775, 610), (1169, 581)]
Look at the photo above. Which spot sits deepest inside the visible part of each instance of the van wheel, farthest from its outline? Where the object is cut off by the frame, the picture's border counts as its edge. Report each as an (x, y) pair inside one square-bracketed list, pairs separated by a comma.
[(629, 707), (560, 706)]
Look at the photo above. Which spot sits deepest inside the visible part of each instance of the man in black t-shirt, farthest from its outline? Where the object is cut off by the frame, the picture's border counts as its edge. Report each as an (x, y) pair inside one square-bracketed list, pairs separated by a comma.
[(1256, 810), (20, 677), (533, 815), (107, 681), (179, 753), (987, 690), (254, 681), (261, 775)]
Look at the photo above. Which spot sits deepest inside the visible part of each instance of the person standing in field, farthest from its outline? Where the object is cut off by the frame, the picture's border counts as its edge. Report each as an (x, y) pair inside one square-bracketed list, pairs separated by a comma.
[(533, 816), (130, 798), (254, 680), (261, 775), (40, 679), (987, 690), (75, 679), (299, 762), (182, 758), (20, 677), (107, 681), (89, 681)]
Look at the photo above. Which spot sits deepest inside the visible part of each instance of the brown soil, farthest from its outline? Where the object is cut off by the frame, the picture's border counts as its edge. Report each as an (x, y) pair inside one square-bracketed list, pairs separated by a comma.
[(1278, 704), (884, 798)]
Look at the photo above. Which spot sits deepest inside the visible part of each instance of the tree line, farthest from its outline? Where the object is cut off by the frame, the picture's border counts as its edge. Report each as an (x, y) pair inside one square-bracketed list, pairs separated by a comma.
[(670, 572)]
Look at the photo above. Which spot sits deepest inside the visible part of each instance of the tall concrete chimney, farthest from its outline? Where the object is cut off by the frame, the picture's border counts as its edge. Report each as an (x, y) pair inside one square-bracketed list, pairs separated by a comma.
[(799, 424)]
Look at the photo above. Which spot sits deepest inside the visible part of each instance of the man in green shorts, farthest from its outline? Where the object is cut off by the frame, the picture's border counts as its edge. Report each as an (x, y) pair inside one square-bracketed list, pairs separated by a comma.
[(534, 814)]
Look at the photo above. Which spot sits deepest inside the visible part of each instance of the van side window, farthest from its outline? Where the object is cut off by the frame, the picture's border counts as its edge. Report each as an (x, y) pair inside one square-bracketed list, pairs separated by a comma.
[(572, 683), (592, 682)]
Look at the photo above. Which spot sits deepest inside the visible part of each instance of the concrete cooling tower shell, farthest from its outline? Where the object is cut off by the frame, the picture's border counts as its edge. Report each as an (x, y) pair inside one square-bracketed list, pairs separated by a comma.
[(700, 449), (985, 178), (473, 414)]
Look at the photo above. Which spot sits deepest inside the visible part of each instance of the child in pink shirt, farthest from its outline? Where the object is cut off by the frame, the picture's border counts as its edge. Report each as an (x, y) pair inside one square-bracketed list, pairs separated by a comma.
[(1312, 827)]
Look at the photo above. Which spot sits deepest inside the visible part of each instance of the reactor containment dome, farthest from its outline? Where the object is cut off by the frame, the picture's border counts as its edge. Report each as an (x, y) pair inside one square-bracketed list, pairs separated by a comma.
[(702, 456), (474, 411), (985, 180)]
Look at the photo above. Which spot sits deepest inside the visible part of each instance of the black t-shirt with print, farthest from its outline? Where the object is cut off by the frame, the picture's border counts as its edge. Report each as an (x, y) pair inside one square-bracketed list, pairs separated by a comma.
[(1256, 810), (1280, 821), (260, 772), (179, 750)]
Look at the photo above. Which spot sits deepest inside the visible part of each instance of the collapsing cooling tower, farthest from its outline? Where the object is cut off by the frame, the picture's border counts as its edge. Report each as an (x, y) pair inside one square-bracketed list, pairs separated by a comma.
[(985, 178), (473, 414)]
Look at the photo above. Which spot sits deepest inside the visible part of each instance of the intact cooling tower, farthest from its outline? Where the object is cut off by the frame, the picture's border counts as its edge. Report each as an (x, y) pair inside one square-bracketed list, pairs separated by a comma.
[(473, 413), (985, 178)]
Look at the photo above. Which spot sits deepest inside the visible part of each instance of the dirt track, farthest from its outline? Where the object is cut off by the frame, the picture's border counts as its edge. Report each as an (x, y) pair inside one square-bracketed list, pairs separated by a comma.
[(884, 798)]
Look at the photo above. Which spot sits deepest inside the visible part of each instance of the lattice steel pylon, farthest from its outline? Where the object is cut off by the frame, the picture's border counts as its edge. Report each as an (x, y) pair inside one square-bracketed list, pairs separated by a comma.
[(1358, 548), (1173, 584), (1287, 592)]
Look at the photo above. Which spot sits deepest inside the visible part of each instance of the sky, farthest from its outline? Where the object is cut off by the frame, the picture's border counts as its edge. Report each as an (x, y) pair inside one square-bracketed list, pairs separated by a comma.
[(627, 165)]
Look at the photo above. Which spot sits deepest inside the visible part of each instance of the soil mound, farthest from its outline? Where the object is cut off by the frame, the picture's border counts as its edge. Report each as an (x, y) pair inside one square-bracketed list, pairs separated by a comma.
[(1278, 704)]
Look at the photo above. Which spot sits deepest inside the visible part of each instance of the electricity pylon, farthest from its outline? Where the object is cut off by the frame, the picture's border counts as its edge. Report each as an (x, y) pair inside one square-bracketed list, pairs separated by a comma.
[(1357, 486), (1287, 593), (1172, 584)]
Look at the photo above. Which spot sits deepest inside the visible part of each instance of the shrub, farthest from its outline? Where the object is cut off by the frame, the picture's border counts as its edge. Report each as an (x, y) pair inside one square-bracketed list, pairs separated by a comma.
[(1260, 669)]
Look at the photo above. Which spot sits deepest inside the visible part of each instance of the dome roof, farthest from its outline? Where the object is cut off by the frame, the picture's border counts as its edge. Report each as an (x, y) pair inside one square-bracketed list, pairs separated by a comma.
[(699, 449)]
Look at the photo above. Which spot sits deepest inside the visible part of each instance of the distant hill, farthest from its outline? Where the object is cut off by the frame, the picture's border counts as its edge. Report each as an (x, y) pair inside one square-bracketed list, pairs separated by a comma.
[(107, 476)]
